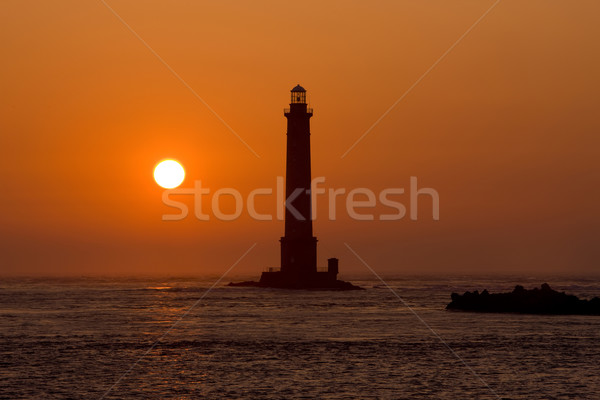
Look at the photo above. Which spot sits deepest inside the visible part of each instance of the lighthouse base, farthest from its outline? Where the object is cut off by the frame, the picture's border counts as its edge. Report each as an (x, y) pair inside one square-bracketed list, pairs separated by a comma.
[(285, 280)]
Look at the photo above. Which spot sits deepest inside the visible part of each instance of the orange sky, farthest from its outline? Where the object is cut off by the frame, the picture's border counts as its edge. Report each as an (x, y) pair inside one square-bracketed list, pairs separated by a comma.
[(505, 128)]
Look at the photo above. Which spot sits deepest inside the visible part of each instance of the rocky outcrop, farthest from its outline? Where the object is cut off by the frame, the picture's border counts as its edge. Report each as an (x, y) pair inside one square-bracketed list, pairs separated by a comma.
[(324, 284), (534, 301)]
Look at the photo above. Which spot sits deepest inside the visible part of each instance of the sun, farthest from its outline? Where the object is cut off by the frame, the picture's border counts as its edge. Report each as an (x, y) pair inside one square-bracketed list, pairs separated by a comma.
[(169, 174)]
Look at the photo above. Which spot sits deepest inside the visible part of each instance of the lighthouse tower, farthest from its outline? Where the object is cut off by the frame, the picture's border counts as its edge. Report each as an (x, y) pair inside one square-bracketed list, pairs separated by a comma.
[(298, 245)]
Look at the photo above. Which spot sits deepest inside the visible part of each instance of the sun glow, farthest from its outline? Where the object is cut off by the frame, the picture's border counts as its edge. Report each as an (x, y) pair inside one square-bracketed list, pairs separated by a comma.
[(169, 174)]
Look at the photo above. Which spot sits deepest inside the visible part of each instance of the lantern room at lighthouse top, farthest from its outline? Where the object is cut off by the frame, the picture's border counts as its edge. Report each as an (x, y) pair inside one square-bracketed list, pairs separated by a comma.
[(298, 95)]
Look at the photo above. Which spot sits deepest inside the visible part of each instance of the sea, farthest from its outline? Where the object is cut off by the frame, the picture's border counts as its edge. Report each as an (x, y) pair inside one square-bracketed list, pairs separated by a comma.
[(196, 338)]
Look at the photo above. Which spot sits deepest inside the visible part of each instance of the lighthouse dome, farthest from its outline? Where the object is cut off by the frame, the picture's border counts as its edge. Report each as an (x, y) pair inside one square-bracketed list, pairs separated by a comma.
[(298, 88)]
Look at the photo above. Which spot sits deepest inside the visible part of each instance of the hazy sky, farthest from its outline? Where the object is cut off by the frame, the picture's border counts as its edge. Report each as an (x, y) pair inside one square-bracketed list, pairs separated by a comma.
[(505, 128)]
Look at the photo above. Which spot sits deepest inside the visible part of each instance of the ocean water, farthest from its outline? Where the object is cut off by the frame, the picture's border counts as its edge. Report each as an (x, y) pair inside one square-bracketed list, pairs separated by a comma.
[(115, 338)]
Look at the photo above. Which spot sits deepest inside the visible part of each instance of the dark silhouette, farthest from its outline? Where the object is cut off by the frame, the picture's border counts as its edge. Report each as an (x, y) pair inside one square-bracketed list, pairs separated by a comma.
[(521, 300), (298, 245)]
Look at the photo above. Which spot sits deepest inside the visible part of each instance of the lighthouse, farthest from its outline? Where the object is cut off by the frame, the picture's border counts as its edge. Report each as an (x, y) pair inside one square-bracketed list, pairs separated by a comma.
[(298, 245)]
